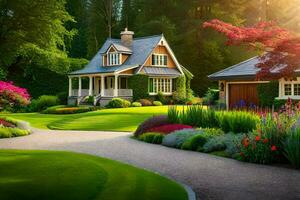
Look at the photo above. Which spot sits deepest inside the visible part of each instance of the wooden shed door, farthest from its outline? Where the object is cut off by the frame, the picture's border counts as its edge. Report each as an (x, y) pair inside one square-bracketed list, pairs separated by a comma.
[(239, 93)]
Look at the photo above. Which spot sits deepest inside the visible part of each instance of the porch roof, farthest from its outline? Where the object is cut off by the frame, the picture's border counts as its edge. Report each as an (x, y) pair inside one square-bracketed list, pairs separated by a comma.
[(160, 71), (112, 69)]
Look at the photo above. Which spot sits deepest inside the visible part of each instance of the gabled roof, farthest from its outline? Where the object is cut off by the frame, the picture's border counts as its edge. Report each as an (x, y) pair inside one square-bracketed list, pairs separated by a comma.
[(119, 47), (246, 69), (141, 49)]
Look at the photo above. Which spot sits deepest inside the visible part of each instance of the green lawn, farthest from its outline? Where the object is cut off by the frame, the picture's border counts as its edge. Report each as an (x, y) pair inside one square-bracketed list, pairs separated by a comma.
[(63, 175), (121, 119)]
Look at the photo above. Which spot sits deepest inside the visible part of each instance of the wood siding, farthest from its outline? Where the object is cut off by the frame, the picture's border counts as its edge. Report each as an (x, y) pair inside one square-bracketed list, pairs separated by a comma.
[(130, 71), (243, 91), (161, 50)]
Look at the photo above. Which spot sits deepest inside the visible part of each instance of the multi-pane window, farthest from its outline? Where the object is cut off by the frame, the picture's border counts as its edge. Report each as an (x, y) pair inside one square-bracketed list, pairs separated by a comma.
[(163, 85), (159, 60), (114, 59), (296, 89), (287, 89)]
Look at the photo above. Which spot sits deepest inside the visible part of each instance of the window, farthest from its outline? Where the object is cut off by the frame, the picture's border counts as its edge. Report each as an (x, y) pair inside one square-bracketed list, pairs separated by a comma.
[(159, 60), (297, 89), (113, 59), (163, 85), (287, 89)]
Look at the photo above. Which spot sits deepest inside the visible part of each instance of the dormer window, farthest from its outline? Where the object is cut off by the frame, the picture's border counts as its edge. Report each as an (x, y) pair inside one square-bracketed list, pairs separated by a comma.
[(113, 59), (159, 60)]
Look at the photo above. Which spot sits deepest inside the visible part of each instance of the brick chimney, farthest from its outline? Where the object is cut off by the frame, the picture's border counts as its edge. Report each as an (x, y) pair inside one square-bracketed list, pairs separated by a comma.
[(127, 37)]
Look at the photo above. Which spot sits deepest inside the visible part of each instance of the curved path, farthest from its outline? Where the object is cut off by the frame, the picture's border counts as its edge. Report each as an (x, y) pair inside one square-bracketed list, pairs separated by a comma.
[(211, 177)]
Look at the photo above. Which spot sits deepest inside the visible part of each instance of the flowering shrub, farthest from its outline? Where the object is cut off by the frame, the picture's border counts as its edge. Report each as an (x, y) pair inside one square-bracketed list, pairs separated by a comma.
[(168, 128), (150, 123), (12, 97)]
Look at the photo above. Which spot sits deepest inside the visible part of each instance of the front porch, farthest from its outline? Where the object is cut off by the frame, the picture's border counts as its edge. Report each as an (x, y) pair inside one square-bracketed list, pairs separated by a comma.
[(99, 85)]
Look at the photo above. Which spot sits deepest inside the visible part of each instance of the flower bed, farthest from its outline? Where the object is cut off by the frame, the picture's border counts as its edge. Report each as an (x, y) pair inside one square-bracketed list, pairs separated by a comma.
[(8, 128), (68, 110), (263, 138)]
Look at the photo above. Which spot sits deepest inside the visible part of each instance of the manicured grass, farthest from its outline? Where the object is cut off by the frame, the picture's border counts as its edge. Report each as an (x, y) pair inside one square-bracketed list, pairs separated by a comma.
[(63, 175), (121, 119)]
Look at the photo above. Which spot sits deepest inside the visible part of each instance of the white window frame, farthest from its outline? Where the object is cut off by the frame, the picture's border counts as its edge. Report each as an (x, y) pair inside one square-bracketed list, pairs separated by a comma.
[(160, 60), (282, 83), (114, 58), (161, 84)]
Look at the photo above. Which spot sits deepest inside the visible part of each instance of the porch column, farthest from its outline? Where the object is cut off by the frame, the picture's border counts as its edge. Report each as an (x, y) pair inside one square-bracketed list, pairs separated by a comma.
[(102, 85), (116, 86), (79, 86), (70, 86), (91, 86)]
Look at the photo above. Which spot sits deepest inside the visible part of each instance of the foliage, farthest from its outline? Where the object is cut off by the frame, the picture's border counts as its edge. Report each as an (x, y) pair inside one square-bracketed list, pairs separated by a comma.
[(6, 123), (211, 97), (43, 102), (118, 103), (168, 128), (68, 110), (145, 102), (229, 142), (161, 98), (292, 147), (237, 121), (279, 45), (267, 93), (62, 98), (195, 143), (139, 84), (8, 132), (90, 100), (177, 138), (150, 123), (12, 97), (180, 88), (136, 104), (157, 103), (150, 137)]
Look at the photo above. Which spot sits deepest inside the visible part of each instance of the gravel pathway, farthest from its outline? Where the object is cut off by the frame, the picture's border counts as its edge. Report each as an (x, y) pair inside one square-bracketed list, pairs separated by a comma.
[(210, 177)]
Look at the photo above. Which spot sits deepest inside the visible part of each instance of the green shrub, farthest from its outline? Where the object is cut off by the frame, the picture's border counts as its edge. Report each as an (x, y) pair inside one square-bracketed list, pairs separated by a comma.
[(157, 103), (139, 84), (211, 96), (292, 147), (136, 104), (145, 102), (195, 143), (44, 102), (160, 97), (118, 103), (63, 98), (7, 132), (177, 138), (180, 88), (154, 138), (267, 92)]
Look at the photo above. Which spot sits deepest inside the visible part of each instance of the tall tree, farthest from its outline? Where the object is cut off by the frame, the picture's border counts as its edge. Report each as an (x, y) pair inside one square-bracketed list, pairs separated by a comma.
[(32, 29)]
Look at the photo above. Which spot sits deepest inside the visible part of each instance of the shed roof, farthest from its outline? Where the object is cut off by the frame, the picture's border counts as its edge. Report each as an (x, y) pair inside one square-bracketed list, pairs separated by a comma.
[(155, 71)]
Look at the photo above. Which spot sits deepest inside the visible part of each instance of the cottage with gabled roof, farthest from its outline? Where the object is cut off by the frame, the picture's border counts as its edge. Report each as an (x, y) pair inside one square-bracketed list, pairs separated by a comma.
[(119, 59)]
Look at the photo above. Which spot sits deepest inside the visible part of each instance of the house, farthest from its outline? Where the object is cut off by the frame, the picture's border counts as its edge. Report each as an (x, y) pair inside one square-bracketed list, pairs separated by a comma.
[(238, 83), (119, 59)]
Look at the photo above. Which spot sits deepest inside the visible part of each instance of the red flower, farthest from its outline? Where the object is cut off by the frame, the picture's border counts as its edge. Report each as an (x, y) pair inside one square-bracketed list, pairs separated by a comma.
[(257, 138), (242, 154), (265, 141), (245, 142), (274, 148)]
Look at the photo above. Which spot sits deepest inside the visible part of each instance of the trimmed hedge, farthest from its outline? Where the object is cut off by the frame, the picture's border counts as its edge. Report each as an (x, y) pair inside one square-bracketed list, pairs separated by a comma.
[(139, 84), (42, 103), (267, 92), (136, 104), (118, 103)]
